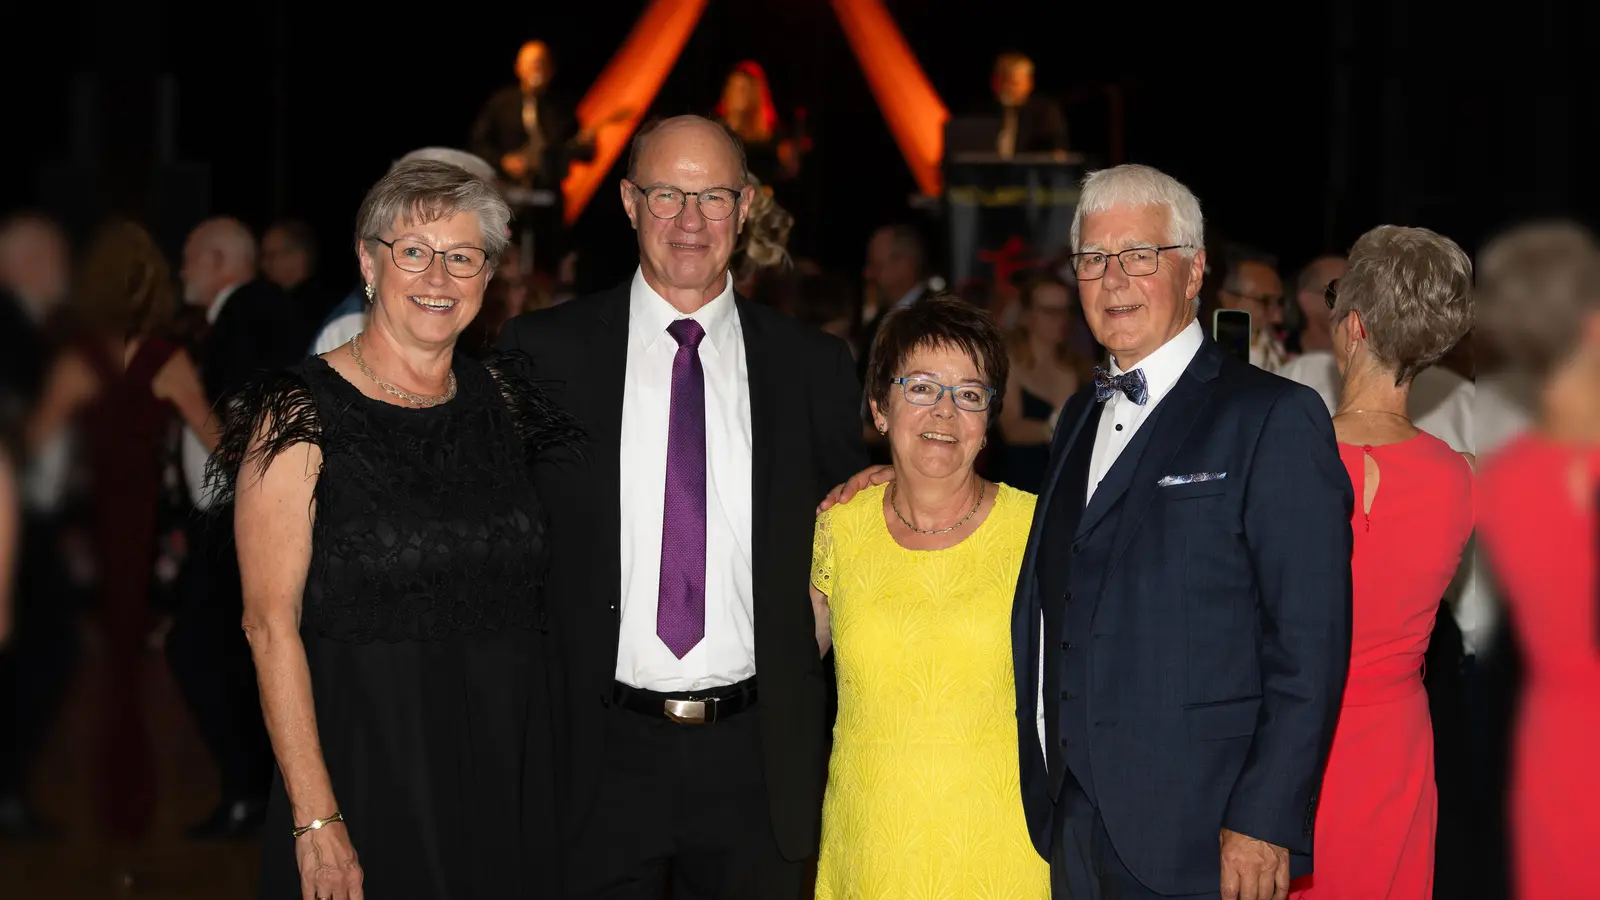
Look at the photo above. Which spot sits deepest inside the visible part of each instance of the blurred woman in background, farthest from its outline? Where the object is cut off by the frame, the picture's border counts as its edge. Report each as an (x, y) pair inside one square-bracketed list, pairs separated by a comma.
[(119, 382), (746, 108), (1539, 303), (1046, 371)]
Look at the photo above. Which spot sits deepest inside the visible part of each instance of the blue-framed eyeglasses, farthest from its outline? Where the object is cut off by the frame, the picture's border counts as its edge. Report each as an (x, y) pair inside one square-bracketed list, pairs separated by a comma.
[(926, 392)]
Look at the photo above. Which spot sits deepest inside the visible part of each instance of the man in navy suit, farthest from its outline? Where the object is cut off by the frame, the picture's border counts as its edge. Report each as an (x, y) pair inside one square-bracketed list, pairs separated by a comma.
[(1181, 630), (1182, 625)]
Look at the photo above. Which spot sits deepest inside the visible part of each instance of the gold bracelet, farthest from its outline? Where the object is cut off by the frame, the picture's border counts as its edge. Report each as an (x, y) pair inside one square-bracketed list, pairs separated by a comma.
[(316, 824)]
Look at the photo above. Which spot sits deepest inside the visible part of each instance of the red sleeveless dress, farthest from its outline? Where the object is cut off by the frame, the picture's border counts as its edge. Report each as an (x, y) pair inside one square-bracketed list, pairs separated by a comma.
[(1542, 542), (1379, 806), (125, 429)]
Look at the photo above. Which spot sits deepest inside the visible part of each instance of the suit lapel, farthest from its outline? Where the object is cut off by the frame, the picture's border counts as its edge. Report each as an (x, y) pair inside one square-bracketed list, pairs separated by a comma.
[(1065, 473), (764, 407), (1181, 409), (608, 367)]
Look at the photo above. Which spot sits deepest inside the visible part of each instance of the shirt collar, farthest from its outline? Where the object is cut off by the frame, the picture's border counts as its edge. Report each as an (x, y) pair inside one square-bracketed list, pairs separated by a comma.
[(649, 314), (215, 309), (915, 292), (1163, 367)]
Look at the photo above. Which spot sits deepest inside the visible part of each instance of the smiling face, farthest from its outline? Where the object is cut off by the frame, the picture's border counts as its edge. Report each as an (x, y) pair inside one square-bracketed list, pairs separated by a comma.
[(431, 307), (941, 440), (685, 258), (1132, 316)]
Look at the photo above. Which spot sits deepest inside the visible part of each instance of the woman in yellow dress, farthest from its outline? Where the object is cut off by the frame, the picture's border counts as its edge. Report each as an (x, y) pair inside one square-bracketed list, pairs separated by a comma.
[(912, 583)]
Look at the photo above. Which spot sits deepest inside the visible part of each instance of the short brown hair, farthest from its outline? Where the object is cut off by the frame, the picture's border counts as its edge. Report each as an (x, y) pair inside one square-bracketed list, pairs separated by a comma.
[(1536, 285), (941, 320), (1413, 290)]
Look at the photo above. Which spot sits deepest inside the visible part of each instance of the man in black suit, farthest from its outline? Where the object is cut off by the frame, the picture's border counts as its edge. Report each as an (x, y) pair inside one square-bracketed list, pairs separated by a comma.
[(681, 543), (253, 326), (1194, 648)]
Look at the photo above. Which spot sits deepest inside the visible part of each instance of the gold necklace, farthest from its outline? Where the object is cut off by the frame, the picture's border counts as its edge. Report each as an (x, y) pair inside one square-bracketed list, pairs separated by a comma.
[(894, 491), (414, 399), (1373, 412)]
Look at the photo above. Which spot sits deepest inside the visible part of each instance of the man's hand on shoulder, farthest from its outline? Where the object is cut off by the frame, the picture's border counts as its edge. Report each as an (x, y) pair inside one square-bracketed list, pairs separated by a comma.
[(1252, 869), (858, 482)]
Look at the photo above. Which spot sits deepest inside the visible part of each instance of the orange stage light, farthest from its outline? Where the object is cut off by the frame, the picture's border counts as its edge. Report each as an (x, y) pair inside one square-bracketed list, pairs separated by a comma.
[(619, 98), (909, 103)]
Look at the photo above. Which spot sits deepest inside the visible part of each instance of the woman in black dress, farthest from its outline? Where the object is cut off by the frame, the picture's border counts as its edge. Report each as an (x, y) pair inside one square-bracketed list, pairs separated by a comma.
[(392, 547)]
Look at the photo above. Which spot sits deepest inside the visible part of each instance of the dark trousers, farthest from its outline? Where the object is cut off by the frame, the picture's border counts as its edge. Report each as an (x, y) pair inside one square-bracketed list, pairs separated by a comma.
[(1084, 865), (37, 663), (680, 805), (211, 662)]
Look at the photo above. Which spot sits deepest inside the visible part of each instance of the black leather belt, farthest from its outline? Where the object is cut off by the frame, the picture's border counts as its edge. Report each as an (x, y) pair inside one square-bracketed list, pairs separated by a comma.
[(687, 709)]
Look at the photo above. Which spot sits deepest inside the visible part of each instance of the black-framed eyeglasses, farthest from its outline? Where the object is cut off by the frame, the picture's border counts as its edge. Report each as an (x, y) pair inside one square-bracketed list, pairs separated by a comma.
[(1330, 294), (667, 202), (927, 392), (411, 255), (1136, 262)]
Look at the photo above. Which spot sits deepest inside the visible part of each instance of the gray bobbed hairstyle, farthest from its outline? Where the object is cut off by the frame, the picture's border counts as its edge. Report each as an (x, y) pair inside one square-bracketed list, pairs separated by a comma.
[(418, 191)]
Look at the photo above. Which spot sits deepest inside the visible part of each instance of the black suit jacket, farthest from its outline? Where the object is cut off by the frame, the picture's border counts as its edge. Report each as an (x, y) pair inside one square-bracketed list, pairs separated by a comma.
[(258, 329), (1218, 623), (1041, 127), (499, 130), (806, 438), (24, 355)]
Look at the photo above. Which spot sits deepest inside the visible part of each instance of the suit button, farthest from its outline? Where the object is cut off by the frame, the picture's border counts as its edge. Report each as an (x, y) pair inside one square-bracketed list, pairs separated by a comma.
[(1067, 597), (1070, 695), (1065, 695), (605, 701), (1076, 549), (1067, 645)]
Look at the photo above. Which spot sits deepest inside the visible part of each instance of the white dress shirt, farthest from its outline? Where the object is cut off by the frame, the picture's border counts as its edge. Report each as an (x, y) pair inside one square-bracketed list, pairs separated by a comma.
[(1118, 423), (726, 655), (193, 452)]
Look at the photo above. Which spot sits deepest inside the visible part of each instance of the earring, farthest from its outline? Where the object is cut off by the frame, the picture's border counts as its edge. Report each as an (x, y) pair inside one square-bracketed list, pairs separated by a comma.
[(370, 292), (983, 443), (883, 429)]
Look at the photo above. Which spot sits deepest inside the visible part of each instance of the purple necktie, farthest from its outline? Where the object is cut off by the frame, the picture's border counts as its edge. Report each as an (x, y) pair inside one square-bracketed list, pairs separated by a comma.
[(681, 604)]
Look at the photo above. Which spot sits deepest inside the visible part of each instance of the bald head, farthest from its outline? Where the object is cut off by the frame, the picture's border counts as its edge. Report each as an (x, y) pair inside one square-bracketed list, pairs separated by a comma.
[(220, 253), (704, 142), (34, 261)]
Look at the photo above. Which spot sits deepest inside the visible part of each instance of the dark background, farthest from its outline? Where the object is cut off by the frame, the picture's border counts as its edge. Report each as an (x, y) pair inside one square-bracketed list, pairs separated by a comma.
[(1299, 126)]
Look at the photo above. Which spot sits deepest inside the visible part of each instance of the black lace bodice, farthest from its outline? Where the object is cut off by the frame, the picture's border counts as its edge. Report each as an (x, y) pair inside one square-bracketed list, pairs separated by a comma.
[(427, 524)]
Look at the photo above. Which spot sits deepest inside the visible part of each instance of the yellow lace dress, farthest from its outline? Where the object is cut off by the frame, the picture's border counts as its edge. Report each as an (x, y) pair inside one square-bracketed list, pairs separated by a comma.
[(924, 799)]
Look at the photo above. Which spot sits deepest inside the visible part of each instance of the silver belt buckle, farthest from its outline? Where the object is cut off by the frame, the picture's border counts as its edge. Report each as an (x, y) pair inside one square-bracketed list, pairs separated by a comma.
[(686, 712)]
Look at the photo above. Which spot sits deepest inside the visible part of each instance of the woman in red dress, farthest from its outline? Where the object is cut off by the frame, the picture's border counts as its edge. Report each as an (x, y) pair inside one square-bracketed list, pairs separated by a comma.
[(1539, 295), (1406, 300), (119, 384)]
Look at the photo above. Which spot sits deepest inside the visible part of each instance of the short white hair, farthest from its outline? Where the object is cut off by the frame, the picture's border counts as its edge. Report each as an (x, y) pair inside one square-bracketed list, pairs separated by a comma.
[(460, 158), (1134, 186)]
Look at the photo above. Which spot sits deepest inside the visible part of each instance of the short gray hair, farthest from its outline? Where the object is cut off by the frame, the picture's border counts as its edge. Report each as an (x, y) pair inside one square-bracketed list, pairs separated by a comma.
[(1413, 289), (1134, 186), (1537, 283), (426, 190)]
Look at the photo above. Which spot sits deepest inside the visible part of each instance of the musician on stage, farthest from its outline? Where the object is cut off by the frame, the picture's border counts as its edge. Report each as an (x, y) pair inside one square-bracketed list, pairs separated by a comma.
[(772, 151), (532, 137), (1029, 122)]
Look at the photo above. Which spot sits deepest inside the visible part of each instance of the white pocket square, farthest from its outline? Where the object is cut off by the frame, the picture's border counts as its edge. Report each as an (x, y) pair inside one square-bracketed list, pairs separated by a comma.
[(1196, 478)]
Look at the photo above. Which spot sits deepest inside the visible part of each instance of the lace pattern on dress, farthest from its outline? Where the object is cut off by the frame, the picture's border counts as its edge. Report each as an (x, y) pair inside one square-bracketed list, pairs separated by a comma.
[(427, 521)]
